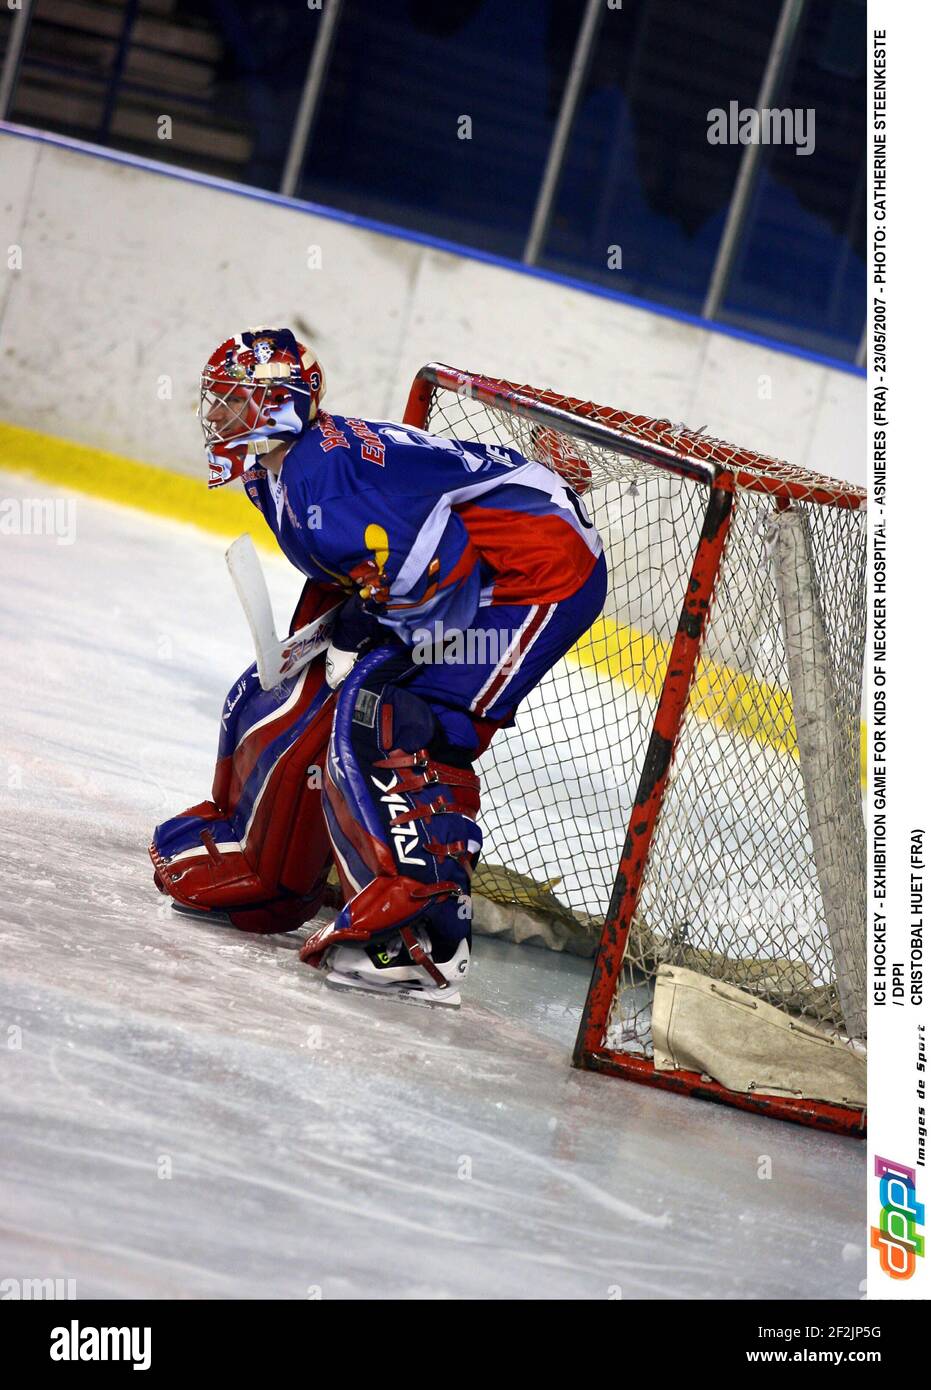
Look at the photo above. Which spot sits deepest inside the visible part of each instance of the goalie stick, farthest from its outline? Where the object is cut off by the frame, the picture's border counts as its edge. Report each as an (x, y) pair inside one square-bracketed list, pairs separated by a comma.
[(276, 658)]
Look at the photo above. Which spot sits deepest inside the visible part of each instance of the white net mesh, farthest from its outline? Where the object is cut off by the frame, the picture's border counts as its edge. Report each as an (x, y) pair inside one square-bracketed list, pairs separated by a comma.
[(756, 873)]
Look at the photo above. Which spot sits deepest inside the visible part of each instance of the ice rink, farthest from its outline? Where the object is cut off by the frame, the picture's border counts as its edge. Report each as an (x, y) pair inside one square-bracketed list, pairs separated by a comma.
[(188, 1112)]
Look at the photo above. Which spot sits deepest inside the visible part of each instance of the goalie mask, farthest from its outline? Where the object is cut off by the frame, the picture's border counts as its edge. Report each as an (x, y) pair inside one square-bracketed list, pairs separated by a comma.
[(257, 388)]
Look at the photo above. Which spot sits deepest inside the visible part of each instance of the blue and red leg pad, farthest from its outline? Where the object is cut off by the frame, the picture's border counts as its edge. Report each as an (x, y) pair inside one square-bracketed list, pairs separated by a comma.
[(400, 804), (258, 850)]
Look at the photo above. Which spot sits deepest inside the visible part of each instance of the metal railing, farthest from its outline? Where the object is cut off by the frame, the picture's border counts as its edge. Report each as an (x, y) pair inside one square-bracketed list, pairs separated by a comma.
[(301, 144)]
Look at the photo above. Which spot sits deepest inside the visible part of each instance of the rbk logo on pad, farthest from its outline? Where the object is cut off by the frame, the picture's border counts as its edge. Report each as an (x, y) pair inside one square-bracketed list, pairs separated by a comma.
[(406, 840)]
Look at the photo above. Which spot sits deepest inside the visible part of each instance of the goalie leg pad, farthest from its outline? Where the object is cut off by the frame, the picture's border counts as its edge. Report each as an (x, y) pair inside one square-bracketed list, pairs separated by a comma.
[(258, 850), (401, 821)]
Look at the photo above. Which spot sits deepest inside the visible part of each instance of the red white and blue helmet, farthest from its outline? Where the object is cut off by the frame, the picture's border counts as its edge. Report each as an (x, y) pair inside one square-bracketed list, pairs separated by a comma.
[(257, 388)]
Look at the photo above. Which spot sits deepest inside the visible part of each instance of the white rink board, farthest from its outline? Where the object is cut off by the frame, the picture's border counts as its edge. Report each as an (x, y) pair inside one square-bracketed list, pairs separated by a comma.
[(130, 278)]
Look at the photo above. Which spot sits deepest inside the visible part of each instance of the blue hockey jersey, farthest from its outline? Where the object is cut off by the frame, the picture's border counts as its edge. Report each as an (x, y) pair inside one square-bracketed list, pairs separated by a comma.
[(445, 526)]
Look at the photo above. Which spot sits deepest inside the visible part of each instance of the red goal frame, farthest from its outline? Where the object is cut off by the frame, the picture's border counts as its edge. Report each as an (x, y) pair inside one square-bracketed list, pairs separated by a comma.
[(723, 469)]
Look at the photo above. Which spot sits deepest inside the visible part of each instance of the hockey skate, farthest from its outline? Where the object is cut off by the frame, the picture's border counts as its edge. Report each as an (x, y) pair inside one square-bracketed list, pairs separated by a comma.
[(386, 967)]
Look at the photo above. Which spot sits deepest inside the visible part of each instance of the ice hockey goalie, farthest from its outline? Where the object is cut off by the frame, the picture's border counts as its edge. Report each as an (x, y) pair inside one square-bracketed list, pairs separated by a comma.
[(463, 572)]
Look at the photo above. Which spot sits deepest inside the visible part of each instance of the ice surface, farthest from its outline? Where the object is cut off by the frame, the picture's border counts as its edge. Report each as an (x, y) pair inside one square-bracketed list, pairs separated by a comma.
[(187, 1111)]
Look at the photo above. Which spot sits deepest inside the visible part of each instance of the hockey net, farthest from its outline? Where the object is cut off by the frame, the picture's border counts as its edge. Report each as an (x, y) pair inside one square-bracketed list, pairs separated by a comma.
[(686, 784)]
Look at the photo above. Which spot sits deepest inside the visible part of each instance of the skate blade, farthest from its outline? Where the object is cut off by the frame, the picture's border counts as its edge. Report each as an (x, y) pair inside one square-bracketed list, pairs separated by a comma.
[(210, 917), (431, 999)]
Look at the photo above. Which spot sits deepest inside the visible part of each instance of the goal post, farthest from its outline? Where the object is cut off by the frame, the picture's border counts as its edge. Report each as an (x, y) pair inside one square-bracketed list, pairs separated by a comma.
[(685, 785)]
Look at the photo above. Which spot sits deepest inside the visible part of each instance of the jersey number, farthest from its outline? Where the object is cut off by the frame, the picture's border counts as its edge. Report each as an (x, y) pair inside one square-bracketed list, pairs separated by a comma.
[(578, 508)]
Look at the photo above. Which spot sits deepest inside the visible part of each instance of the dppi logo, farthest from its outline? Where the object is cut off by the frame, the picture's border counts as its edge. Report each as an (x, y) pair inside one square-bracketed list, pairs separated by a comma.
[(896, 1237)]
